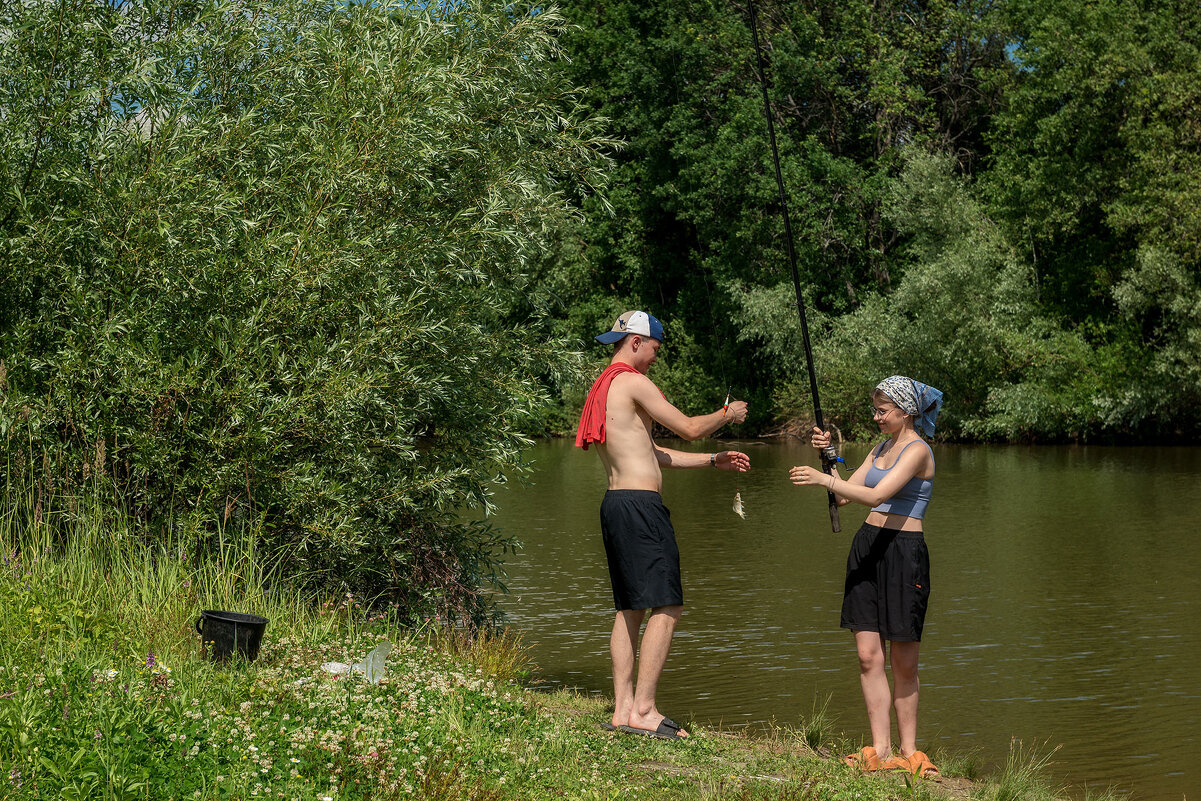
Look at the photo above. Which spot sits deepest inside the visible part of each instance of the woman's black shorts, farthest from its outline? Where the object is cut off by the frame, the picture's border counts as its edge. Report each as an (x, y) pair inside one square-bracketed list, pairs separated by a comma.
[(644, 562), (888, 583)]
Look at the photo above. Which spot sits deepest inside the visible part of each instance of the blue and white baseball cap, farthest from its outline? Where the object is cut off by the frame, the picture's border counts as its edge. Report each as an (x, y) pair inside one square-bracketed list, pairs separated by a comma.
[(633, 322)]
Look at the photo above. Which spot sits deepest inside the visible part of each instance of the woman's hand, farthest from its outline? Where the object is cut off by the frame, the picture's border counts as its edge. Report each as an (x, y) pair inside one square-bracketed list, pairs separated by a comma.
[(805, 475), (819, 439)]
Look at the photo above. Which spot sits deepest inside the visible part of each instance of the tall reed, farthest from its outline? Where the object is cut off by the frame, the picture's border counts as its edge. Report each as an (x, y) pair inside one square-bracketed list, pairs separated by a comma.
[(78, 584)]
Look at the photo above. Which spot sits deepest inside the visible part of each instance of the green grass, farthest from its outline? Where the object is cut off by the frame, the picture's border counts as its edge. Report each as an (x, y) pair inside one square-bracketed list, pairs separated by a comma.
[(104, 694), (1023, 777)]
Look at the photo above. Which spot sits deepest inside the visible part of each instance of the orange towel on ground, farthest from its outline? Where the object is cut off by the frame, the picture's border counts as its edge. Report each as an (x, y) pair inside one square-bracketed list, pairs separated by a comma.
[(592, 418)]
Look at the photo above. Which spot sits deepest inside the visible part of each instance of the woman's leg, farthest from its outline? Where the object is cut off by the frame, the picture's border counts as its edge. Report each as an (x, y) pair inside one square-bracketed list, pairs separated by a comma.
[(874, 682), (905, 692)]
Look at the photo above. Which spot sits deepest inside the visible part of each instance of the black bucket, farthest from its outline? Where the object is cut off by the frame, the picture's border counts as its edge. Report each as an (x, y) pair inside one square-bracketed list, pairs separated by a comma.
[(228, 632)]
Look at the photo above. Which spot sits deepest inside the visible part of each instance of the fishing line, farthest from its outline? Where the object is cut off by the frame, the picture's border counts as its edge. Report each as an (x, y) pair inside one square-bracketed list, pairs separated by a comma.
[(736, 507), (721, 359), (828, 456), (721, 364)]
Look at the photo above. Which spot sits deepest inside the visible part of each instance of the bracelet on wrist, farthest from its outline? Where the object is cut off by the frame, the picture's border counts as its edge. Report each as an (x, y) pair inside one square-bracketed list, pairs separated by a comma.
[(713, 460)]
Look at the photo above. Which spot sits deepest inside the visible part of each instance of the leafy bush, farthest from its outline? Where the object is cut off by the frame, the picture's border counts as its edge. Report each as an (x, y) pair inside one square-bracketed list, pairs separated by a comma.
[(269, 268), (1163, 291), (964, 317)]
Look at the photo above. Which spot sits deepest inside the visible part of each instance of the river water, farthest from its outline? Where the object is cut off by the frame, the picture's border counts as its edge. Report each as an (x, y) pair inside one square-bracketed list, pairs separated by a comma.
[(1065, 609)]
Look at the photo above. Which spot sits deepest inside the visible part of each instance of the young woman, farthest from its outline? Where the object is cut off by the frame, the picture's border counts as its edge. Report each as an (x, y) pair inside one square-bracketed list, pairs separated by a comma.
[(888, 569)]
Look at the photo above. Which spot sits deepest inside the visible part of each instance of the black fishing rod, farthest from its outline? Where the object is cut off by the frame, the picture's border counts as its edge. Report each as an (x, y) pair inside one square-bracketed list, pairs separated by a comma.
[(829, 456)]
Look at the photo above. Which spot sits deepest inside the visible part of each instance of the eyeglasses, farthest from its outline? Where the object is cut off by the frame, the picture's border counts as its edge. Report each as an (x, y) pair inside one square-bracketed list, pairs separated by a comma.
[(880, 414)]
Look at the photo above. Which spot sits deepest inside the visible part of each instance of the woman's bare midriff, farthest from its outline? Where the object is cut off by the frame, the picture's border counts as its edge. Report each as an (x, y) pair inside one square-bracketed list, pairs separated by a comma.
[(902, 522)]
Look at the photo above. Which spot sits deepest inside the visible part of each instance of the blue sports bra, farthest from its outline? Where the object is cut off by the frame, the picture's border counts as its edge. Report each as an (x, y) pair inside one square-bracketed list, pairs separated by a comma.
[(912, 499)]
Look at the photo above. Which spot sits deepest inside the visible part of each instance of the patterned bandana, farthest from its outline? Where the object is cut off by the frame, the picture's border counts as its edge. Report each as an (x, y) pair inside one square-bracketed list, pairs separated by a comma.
[(920, 401)]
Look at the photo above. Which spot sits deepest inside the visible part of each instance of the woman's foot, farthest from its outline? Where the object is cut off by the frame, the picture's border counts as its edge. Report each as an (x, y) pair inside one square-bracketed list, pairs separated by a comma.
[(916, 763), (865, 758)]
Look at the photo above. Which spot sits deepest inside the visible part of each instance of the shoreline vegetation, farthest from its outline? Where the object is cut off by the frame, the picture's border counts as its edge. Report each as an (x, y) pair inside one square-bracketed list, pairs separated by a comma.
[(104, 693), (283, 293)]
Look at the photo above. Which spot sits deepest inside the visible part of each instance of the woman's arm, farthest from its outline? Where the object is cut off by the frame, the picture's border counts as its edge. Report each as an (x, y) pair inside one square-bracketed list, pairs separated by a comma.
[(910, 463), (820, 440)]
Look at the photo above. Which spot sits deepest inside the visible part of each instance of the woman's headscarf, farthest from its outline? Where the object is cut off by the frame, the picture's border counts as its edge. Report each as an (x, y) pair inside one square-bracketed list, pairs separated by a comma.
[(920, 401)]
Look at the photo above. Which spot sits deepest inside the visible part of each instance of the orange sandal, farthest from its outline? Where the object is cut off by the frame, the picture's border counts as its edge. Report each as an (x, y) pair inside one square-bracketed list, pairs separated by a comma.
[(916, 763), (864, 759)]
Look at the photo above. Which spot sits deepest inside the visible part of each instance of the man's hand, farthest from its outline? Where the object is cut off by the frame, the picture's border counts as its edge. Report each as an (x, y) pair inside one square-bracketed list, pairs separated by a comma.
[(736, 411), (733, 460)]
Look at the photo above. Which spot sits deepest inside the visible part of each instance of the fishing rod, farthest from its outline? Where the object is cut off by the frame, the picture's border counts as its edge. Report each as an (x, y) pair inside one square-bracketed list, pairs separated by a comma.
[(829, 456)]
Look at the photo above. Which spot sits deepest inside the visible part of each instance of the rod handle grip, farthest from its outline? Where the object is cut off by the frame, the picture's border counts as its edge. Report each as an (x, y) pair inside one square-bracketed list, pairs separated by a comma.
[(829, 459)]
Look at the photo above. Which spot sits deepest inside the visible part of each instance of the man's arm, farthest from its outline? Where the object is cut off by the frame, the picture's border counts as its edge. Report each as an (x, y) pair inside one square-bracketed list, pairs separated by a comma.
[(723, 460), (647, 395)]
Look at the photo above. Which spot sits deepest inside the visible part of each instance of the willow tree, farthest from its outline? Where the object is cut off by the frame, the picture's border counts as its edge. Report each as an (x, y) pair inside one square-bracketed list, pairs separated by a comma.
[(269, 267)]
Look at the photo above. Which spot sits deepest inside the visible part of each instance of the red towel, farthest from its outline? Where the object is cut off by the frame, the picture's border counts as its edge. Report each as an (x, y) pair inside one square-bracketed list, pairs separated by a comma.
[(592, 418)]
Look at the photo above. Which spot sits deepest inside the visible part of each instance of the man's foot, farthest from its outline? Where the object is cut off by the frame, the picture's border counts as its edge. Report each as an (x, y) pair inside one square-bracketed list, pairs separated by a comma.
[(651, 722), (621, 717), (667, 729)]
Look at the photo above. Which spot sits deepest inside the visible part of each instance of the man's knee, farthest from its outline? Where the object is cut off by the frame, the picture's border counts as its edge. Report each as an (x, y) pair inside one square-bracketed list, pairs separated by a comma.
[(631, 616), (673, 612)]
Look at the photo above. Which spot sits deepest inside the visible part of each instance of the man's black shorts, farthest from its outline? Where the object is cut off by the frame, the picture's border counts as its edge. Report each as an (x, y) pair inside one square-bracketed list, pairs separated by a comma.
[(644, 562), (888, 583)]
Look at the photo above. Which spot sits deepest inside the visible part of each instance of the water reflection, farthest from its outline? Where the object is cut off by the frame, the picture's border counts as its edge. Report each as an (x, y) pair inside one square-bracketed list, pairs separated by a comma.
[(1064, 607)]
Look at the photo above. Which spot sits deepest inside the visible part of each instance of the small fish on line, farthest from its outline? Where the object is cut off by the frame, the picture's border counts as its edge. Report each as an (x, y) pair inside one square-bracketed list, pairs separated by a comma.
[(738, 505)]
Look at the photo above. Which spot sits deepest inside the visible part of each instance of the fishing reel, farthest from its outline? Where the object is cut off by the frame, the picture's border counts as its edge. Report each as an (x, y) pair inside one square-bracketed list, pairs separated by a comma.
[(830, 459), (829, 454)]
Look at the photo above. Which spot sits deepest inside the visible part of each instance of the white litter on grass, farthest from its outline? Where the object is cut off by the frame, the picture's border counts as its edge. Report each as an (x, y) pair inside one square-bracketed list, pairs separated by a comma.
[(371, 668)]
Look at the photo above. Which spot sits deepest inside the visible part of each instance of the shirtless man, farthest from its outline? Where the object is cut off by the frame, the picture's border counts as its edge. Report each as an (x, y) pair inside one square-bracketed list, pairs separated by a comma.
[(644, 563)]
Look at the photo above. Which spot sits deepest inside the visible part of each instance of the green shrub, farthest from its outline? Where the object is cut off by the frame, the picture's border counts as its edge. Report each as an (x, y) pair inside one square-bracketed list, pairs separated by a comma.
[(268, 269), (964, 317)]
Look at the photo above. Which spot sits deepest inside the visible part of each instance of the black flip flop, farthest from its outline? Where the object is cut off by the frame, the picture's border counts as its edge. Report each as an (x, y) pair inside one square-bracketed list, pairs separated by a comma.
[(668, 729)]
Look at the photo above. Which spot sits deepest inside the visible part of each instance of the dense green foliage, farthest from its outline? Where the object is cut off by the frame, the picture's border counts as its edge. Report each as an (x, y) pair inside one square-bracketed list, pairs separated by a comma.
[(269, 269), (316, 271), (997, 197)]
